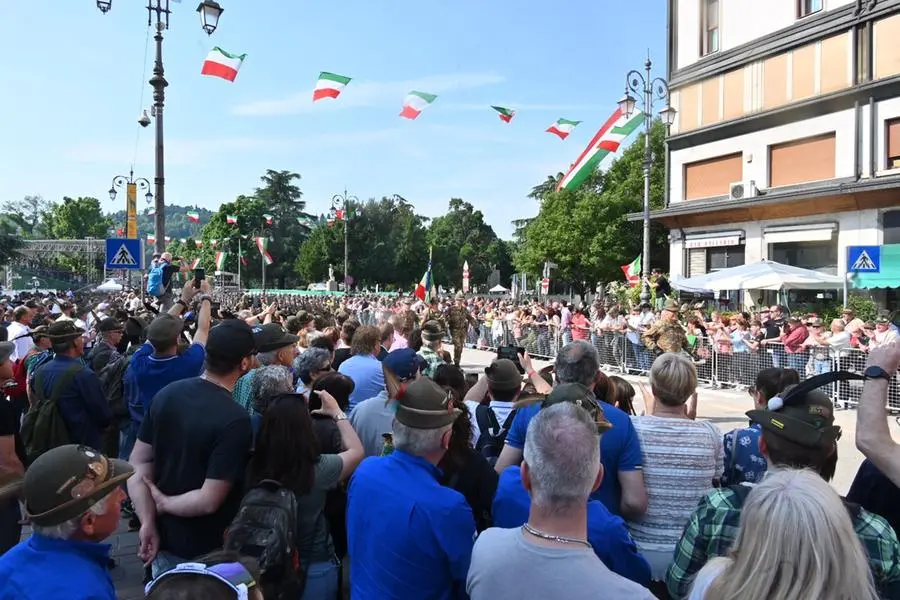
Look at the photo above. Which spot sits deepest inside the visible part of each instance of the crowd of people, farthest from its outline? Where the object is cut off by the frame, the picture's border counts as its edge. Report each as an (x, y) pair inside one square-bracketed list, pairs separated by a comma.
[(319, 447)]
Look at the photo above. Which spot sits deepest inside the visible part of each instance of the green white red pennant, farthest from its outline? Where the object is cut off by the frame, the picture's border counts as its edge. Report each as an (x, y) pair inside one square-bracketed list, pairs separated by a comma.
[(329, 85), (562, 128), (220, 63), (415, 102), (263, 244), (231, 219), (605, 142), (506, 114), (269, 219), (220, 260), (193, 216)]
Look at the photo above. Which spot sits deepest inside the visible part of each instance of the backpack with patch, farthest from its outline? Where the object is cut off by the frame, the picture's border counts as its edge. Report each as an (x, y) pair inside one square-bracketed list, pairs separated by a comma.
[(492, 436), (155, 285), (265, 529), (43, 427), (112, 380)]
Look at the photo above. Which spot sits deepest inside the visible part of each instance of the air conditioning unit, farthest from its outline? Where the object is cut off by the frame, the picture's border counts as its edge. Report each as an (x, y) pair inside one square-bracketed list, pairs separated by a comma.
[(741, 190)]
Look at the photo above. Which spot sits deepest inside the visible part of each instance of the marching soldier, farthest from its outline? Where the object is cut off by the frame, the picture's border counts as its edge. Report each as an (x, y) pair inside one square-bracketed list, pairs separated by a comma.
[(433, 314), (667, 334), (458, 319)]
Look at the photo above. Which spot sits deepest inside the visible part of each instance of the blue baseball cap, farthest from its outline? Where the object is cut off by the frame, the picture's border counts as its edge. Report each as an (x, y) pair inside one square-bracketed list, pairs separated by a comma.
[(404, 363)]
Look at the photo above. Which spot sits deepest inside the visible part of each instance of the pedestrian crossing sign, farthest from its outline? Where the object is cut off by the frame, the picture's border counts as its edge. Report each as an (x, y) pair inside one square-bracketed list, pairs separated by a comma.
[(864, 259), (124, 254)]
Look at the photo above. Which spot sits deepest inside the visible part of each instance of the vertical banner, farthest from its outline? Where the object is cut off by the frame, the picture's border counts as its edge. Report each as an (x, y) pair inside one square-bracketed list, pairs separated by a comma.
[(131, 228), (465, 281)]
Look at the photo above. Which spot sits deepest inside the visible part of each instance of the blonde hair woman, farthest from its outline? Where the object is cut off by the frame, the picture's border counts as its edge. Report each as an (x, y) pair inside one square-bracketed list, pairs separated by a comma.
[(795, 542), (682, 460)]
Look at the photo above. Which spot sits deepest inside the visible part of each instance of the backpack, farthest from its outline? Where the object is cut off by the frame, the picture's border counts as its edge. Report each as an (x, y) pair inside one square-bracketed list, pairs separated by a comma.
[(265, 528), (492, 437), (155, 285), (112, 380), (43, 427)]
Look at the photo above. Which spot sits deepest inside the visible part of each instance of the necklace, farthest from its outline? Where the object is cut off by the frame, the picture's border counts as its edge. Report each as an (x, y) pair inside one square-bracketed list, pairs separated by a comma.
[(554, 538)]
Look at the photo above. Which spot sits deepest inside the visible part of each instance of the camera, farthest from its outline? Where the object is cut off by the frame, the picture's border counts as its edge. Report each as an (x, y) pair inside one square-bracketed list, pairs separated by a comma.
[(144, 119)]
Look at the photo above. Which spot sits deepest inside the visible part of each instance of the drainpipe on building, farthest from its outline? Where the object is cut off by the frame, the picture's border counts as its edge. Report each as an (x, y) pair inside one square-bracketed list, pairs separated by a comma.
[(873, 159)]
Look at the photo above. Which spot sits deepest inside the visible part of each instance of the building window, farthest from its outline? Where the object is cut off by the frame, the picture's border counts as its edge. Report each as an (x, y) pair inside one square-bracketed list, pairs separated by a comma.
[(802, 161), (808, 7), (724, 258), (890, 227), (892, 143), (863, 54), (817, 256), (712, 177), (709, 41)]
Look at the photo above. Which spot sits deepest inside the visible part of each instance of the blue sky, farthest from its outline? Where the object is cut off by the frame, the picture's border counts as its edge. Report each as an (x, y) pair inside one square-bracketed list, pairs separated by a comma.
[(73, 80)]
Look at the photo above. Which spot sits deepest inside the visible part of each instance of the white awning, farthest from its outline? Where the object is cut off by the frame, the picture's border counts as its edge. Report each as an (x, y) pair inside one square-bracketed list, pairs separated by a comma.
[(818, 232)]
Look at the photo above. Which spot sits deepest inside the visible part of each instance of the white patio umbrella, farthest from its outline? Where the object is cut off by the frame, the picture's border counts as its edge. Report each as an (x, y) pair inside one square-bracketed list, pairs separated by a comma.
[(498, 289), (109, 285), (762, 275)]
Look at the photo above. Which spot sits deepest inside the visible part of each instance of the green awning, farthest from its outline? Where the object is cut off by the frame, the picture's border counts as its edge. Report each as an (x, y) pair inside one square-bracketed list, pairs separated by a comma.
[(889, 275)]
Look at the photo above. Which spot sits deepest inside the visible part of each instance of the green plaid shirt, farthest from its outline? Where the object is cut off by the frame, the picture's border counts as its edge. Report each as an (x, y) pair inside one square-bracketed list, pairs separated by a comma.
[(432, 361), (713, 528), (243, 390)]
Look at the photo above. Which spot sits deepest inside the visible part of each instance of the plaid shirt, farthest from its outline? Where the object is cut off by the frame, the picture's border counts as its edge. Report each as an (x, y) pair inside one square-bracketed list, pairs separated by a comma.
[(713, 528), (432, 361)]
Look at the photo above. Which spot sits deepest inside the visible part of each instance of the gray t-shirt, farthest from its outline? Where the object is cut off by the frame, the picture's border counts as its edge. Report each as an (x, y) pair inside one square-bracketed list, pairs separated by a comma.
[(371, 419), (313, 540), (507, 566)]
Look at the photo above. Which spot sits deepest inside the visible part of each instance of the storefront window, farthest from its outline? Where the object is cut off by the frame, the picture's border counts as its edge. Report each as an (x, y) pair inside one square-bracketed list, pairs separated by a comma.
[(724, 258), (890, 224), (818, 256)]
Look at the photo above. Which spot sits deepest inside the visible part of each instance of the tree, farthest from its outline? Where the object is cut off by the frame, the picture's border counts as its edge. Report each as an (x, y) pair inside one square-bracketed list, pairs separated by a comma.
[(461, 235), (230, 238), (548, 186), (586, 231), (75, 219), (25, 214), (284, 201), (10, 243)]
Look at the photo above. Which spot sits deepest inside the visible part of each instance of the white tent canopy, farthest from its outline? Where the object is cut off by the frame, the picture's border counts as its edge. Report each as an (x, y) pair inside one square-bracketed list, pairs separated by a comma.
[(498, 289), (762, 275), (109, 285)]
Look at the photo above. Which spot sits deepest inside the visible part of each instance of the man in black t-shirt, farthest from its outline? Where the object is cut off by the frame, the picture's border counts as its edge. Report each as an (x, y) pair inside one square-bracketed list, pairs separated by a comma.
[(191, 454), (12, 455)]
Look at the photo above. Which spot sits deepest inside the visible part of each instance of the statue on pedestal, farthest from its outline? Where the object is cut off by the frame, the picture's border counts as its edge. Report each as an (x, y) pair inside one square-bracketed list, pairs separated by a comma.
[(330, 273)]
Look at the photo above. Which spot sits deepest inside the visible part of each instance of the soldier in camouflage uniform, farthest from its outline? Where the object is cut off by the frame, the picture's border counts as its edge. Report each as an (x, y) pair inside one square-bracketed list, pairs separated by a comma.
[(433, 314), (667, 334), (458, 319)]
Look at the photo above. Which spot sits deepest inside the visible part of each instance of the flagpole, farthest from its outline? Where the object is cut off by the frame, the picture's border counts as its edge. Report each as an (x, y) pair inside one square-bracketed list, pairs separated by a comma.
[(240, 256)]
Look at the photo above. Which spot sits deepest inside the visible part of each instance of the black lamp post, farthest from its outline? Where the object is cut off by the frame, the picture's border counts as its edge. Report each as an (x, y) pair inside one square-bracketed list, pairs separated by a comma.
[(210, 11), (342, 202)]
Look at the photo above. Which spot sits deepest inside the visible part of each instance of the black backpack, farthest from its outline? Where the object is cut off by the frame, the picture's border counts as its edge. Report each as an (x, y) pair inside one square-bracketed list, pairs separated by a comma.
[(112, 380), (265, 529), (492, 436)]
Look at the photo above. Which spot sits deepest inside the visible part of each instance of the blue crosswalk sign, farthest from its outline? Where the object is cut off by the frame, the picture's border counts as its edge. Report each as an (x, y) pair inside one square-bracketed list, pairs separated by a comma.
[(124, 254), (864, 259)]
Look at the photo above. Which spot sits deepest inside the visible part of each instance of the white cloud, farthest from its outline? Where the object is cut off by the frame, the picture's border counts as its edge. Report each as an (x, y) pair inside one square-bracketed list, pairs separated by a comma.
[(368, 93)]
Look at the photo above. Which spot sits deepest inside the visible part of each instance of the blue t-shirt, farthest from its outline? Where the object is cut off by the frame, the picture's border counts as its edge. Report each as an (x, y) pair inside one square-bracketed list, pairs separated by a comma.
[(147, 374), (607, 533), (367, 374), (620, 450)]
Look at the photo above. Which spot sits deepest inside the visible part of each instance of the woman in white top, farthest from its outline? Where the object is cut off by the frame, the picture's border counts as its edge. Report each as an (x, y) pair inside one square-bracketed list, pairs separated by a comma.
[(795, 531), (682, 459)]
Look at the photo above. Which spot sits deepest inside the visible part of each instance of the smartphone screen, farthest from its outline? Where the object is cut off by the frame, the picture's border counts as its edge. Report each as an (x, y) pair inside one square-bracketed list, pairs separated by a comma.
[(199, 275)]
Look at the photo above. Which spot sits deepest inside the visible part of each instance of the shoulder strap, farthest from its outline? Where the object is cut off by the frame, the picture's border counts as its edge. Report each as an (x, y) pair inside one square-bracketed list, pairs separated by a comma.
[(487, 420), (509, 419), (64, 381)]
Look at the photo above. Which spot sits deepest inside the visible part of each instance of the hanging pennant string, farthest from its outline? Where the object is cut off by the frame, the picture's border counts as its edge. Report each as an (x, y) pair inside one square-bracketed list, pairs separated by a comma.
[(137, 135)]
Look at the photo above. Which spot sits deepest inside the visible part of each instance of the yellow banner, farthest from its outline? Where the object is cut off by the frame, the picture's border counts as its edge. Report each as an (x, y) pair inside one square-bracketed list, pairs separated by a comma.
[(131, 229)]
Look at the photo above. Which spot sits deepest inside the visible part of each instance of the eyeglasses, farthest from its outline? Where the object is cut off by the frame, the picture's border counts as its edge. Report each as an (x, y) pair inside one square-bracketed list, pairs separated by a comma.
[(234, 575)]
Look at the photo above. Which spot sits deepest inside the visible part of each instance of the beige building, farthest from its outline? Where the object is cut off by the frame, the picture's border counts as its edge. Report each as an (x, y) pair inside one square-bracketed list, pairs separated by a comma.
[(786, 144)]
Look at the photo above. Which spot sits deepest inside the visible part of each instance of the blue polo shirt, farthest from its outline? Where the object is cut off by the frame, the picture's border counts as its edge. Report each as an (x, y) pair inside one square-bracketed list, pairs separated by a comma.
[(409, 537), (42, 568), (367, 374), (620, 450), (607, 533)]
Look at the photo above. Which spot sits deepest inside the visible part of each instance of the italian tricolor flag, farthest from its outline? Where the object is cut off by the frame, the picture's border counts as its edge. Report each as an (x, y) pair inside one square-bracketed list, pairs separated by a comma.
[(605, 142), (506, 114), (222, 64), (151, 212), (562, 128), (329, 85), (633, 272), (269, 219), (231, 219), (415, 103), (196, 263), (220, 260), (193, 216), (263, 244), (151, 239), (198, 243)]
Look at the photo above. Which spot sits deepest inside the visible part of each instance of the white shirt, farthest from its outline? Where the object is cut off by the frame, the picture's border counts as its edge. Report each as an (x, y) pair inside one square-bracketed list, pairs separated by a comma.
[(501, 411), (23, 344)]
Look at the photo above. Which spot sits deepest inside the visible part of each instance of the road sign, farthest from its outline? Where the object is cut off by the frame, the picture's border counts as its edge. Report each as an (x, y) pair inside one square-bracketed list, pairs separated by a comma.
[(124, 254), (545, 286), (864, 259)]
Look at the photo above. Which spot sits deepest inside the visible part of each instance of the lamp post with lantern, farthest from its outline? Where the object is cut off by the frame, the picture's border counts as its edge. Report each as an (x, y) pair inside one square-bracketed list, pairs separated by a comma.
[(341, 202), (210, 11), (643, 84)]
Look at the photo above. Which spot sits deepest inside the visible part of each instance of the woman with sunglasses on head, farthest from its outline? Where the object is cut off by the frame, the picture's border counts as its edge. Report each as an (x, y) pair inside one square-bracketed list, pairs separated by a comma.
[(217, 576), (287, 451)]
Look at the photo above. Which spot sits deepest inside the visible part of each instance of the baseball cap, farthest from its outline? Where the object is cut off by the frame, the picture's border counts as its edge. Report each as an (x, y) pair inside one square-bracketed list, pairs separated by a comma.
[(581, 396), (404, 363), (800, 415), (66, 481), (423, 404), (232, 339), (164, 330), (272, 336), (503, 374)]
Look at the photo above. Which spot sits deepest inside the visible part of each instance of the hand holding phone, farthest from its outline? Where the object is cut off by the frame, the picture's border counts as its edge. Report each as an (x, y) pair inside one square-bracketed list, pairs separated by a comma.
[(199, 275)]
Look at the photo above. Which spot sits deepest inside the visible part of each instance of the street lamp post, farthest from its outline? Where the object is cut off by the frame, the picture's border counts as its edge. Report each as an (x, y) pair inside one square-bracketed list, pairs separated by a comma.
[(121, 182), (342, 202), (650, 88), (210, 11)]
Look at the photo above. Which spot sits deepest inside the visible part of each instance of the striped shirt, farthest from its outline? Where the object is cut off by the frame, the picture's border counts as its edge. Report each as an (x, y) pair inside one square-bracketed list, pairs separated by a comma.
[(681, 460)]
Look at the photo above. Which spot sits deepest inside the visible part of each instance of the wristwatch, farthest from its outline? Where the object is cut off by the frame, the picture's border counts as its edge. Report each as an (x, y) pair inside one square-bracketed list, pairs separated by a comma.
[(876, 372), (340, 417)]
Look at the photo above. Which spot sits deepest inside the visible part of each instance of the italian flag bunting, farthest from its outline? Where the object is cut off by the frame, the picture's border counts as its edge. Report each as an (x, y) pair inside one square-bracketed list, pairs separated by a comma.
[(633, 272), (605, 142), (182, 240), (329, 85), (506, 114), (214, 242), (198, 243), (269, 218), (263, 244), (193, 216), (231, 219), (562, 128), (243, 258), (340, 215), (151, 212), (151, 239), (220, 260), (222, 64), (415, 103), (196, 263)]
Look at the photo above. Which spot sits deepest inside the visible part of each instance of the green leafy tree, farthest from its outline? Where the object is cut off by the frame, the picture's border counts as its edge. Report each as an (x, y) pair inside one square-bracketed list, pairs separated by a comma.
[(75, 219), (323, 247), (177, 223), (25, 214), (249, 211), (586, 231), (10, 244), (284, 201)]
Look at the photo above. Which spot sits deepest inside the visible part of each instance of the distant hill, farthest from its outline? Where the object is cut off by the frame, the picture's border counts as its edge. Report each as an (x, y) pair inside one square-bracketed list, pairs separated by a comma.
[(177, 224)]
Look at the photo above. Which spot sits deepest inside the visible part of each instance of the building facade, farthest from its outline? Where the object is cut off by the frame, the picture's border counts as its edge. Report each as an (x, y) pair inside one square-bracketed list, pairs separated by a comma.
[(786, 144)]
